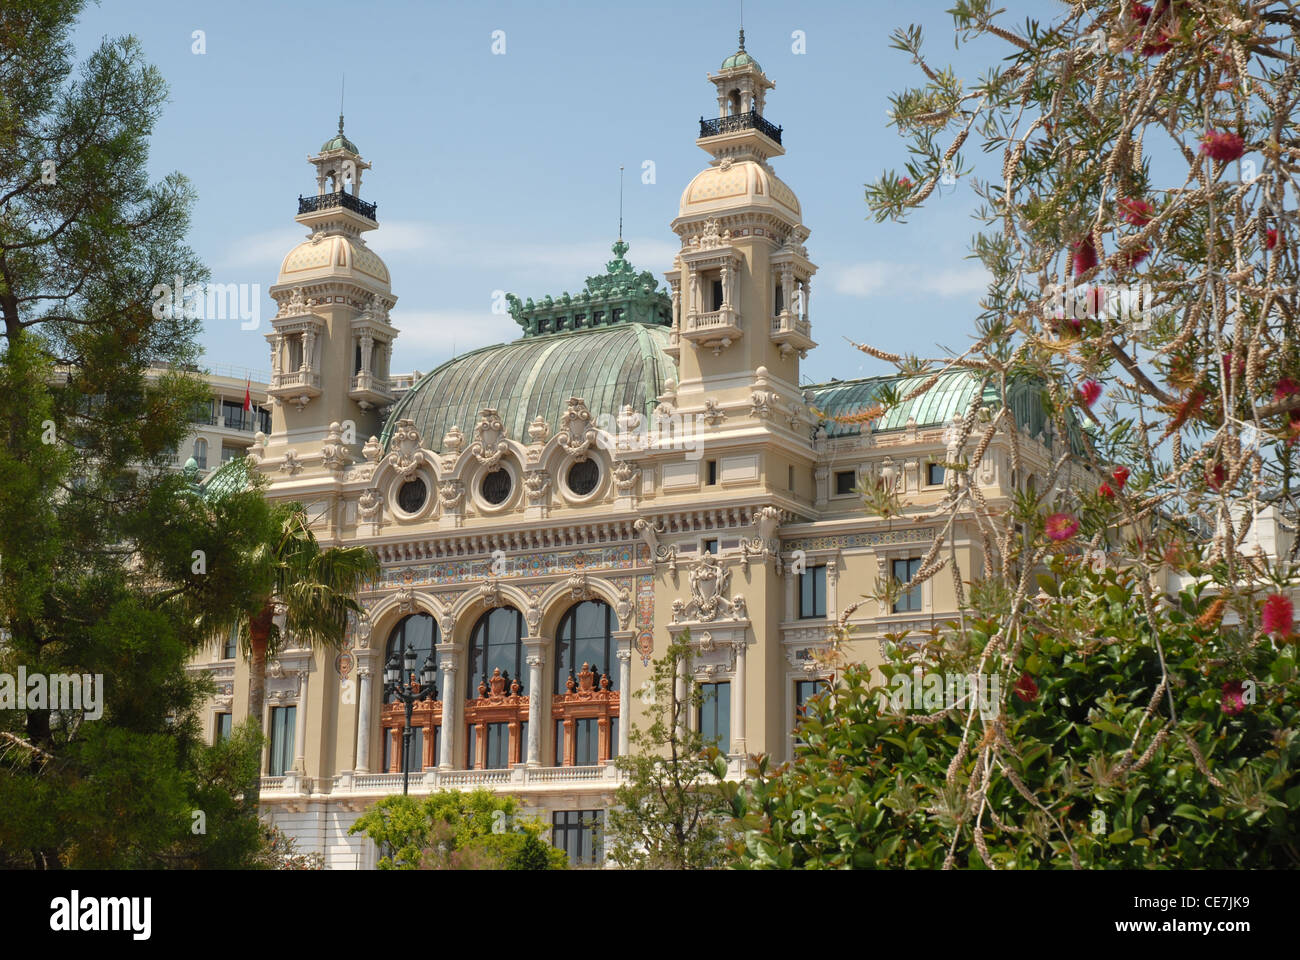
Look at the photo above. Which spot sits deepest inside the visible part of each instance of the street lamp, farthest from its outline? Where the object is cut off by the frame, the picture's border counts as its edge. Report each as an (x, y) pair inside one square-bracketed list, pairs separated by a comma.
[(409, 692)]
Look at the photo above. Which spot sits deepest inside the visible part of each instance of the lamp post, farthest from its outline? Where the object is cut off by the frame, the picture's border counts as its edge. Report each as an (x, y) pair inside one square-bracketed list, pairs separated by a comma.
[(409, 691)]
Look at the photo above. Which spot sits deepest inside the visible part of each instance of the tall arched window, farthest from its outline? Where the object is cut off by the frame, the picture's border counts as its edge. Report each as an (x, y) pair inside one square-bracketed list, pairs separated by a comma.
[(497, 719), (585, 708), (420, 632), (201, 453)]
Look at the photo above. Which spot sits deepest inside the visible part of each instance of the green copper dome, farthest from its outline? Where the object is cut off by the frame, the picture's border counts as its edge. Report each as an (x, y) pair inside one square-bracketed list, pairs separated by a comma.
[(339, 142), (739, 59), (608, 367)]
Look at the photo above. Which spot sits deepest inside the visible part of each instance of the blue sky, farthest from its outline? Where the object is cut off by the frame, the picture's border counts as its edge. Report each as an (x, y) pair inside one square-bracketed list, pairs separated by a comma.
[(500, 172)]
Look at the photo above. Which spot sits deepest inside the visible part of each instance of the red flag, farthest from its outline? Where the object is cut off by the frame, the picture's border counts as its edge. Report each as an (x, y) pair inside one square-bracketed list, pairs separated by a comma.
[(248, 396)]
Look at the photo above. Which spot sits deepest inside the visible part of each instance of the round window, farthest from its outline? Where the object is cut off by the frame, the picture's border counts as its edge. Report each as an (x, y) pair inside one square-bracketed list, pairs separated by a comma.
[(496, 486), (411, 495), (583, 477)]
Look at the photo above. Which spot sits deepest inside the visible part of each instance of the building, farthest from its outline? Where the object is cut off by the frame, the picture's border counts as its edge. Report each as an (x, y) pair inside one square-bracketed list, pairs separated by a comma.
[(640, 462), (223, 429)]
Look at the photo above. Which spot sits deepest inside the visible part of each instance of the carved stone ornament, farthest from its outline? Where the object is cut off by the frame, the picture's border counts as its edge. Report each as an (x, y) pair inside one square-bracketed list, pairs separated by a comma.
[(713, 414), (659, 552), (451, 493), (579, 586), (258, 449), (405, 452), (370, 505), (626, 476), (373, 450), (453, 441), (334, 453), (709, 581), (536, 484), (534, 618), (539, 430), (489, 439), (489, 594), (405, 600), (623, 609), (577, 431), (291, 464)]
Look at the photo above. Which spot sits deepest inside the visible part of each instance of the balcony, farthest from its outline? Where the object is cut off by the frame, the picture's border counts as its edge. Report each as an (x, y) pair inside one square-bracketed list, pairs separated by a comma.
[(327, 201), (738, 122), (297, 384), (718, 329), (558, 779), (370, 391), (792, 332)]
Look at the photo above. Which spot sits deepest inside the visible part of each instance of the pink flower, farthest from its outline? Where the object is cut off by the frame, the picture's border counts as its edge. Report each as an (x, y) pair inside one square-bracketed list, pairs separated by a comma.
[(1233, 698), (1106, 491), (1271, 242), (904, 182), (1214, 476), (1136, 212), (1089, 392), (1085, 255), (1061, 526), (1277, 615), (1223, 147), (1120, 475), (1286, 387), (1135, 256), (1025, 688)]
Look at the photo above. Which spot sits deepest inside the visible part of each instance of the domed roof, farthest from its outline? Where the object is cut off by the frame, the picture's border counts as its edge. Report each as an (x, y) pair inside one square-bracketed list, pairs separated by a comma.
[(737, 184), (739, 59), (324, 255), (608, 367), (339, 142)]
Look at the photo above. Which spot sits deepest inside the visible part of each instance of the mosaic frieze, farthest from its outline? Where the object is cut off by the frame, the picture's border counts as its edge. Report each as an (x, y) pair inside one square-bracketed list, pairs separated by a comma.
[(879, 538)]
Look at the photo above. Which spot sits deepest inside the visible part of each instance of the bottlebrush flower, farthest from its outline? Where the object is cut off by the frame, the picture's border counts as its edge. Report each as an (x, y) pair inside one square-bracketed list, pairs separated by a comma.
[(1089, 392), (1271, 241), (904, 182), (1233, 701), (1120, 476), (1106, 491), (1095, 301), (1223, 147), (1136, 212), (1213, 614), (1277, 615), (1131, 258), (1084, 257), (1026, 689), (1214, 476), (1286, 387), (1061, 526)]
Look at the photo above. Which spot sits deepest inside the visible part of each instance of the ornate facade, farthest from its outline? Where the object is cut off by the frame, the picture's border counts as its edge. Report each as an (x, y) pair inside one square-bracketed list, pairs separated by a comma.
[(643, 461)]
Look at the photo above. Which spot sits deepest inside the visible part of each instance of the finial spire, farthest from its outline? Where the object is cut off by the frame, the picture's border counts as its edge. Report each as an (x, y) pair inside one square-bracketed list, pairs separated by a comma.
[(742, 25), (620, 202), (343, 79)]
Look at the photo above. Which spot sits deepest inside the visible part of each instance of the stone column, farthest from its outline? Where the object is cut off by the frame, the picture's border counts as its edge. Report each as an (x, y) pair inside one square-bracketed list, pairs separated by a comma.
[(737, 744), (300, 726), (450, 704), (624, 656), (536, 660), (363, 720), (832, 578)]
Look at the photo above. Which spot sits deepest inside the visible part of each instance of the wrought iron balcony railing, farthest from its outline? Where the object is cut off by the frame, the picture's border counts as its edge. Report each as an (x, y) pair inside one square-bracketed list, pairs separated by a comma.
[(325, 201), (739, 121)]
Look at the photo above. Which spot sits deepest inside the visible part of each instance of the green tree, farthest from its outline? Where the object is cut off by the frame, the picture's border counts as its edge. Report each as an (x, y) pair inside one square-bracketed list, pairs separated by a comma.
[(95, 536), (1099, 775), (454, 830), (670, 814)]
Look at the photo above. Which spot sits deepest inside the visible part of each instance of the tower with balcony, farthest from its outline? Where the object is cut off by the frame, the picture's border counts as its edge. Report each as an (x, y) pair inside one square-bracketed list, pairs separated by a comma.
[(742, 279), (331, 340)]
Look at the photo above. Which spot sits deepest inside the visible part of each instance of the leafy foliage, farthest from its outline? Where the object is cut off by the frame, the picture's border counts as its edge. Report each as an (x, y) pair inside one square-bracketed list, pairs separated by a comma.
[(1096, 758), (454, 830), (669, 813)]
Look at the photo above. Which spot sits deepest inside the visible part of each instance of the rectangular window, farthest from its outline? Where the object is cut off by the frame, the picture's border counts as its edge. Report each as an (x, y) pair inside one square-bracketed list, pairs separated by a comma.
[(222, 727), (579, 321), (717, 295), (586, 742), (470, 752), (812, 593), (903, 571), (710, 472), (789, 478), (283, 721), (845, 482), (780, 299), (715, 715), (805, 690), (559, 743), (597, 317), (498, 744), (579, 834), (711, 546), (934, 474)]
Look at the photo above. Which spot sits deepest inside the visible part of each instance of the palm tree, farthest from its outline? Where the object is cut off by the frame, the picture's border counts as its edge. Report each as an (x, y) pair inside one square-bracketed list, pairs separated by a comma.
[(298, 590)]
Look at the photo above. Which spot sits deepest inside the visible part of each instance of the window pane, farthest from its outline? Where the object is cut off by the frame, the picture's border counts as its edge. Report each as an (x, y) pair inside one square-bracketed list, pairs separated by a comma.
[(585, 734), (715, 715), (812, 592), (559, 743), (282, 730), (498, 740)]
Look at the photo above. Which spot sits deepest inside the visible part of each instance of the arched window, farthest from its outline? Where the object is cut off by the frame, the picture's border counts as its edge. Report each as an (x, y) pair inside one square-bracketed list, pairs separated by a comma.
[(201, 453), (585, 708), (497, 719), (420, 632)]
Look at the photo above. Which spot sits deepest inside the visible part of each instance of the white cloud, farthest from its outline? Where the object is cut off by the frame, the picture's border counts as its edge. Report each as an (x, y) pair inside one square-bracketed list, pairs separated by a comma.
[(880, 277)]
